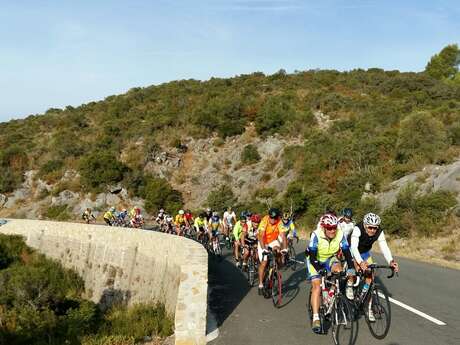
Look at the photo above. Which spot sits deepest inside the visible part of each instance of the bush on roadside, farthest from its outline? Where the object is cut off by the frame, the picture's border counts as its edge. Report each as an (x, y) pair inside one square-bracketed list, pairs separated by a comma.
[(250, 155)]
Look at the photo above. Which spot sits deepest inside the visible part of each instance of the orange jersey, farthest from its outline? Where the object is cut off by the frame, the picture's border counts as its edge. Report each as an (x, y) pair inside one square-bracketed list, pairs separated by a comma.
[(272, 231)]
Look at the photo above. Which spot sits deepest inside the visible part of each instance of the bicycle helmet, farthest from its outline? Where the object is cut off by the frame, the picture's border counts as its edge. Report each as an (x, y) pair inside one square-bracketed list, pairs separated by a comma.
[(181, 212), (243, 215), (274, 213), (286, 217), (347, 212), (248, 213), (112, 209), (208, 209), (371, 219), (256, 218), (162, 210), (215, 214), (329, 221)]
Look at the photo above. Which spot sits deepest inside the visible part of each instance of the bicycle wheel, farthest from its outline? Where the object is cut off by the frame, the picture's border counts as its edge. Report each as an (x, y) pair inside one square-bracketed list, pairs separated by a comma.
[(251, 271), (277, 290), (382, 313), (292, 257), (342, 322), (309, 309)]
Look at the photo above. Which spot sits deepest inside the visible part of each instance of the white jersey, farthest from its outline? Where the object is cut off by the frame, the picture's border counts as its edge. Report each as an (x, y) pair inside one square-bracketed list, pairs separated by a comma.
[(229, 217), (346, 228)]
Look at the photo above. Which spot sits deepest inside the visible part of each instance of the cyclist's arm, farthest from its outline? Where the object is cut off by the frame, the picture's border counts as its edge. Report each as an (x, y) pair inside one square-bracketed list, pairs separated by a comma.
[(354, 245), (384, 248), (313, 252)]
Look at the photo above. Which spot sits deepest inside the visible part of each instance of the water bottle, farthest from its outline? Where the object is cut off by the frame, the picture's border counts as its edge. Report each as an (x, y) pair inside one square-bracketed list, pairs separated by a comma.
[(326, 296)]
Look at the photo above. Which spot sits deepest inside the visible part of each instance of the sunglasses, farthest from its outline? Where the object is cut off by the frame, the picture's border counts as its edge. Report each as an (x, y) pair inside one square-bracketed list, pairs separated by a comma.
[(331, 228), (373, 227)]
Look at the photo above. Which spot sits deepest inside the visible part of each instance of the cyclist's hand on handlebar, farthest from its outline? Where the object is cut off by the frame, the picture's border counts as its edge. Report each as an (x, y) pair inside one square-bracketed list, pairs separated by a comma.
[(394, 265), (322, 272), (363, 265)]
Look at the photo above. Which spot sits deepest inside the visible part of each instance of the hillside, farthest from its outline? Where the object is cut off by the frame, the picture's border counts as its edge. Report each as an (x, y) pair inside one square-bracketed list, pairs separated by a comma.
[(316, 139)]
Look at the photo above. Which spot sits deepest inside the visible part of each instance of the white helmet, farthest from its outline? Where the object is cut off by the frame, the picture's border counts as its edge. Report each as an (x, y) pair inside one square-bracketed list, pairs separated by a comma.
[(329, 221), (371, 219), (112, 209), (181, 212), (162, 210)]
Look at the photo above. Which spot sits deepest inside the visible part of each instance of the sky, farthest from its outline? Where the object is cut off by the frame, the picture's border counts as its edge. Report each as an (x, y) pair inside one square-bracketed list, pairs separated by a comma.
[(59, 53)]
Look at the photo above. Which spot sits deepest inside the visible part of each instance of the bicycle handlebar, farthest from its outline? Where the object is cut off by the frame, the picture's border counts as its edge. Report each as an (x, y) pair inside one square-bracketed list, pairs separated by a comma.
[(375, 266)]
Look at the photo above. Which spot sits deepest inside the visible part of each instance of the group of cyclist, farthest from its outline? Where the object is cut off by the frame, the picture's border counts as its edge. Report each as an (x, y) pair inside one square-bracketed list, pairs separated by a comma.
[(338, 244), (132, 218)]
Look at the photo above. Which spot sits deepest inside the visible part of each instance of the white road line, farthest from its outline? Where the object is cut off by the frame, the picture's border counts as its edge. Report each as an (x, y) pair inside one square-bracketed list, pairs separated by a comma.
[(415, 311)]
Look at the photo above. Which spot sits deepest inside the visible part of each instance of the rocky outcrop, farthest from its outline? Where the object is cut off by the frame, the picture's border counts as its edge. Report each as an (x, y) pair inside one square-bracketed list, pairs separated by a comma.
[(430, 179)]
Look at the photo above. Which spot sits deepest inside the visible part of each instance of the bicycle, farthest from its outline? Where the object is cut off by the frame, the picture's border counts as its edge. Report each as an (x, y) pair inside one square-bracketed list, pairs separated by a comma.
[(273, 281), (335, 311), (215, 246), (291, 259), (252, 264), (379, 302)]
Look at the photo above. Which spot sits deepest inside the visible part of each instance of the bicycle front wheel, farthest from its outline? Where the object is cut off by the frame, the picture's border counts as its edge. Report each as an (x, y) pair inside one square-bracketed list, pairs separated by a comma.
[(277, 290), (342, 322), (292, 257), (251, 271), (380, 307)]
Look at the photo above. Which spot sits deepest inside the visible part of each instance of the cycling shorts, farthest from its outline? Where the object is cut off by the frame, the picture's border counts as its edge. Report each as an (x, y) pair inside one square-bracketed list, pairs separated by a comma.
[(272, 245), (367, 256), (250, 241), (214, 233), (312, 274)]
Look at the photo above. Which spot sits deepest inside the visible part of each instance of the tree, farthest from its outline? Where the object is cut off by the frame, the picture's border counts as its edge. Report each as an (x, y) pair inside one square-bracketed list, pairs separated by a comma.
[(159, 194), (221, 198), (100, 168), (445, 64), (421, 135)]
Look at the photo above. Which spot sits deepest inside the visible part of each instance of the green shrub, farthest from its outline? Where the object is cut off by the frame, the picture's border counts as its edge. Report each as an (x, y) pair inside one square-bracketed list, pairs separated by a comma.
[(250, 155), (158, 193), (12, 249), (60, 212), (221, 197), (423, 215), (100, 168)]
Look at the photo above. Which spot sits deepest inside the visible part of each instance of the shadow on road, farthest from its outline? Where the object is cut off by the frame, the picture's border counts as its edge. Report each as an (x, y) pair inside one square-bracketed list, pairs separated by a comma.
[(227, 287)]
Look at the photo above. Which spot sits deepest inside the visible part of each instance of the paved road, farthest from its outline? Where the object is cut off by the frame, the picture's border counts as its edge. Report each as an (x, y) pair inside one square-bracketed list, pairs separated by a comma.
[(245, 318)]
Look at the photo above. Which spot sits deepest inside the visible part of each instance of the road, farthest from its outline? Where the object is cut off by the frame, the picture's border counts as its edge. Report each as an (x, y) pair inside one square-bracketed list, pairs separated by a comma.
[(243, 317)]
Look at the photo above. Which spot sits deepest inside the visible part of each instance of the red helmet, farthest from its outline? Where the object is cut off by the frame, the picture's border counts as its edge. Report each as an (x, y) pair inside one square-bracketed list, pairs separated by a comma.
[(329, 221), (255, 218)]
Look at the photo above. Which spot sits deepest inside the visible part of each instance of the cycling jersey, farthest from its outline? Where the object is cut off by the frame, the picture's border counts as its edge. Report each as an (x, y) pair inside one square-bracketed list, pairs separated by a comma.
[(347, 228), (229, 217), (199, 223), (323, 251), (272, 231), (109, 215), (180, 219), (238, 229), (214, 222), (188, 217), (288, 227), (361, 244), (326, 247)]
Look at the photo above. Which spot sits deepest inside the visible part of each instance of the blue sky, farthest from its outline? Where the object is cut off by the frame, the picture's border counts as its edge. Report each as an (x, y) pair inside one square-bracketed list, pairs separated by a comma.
[(58, 53)]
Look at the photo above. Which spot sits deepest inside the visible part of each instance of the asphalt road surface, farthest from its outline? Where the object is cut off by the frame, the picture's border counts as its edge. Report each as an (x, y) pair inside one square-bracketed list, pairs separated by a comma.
[(242, 317)]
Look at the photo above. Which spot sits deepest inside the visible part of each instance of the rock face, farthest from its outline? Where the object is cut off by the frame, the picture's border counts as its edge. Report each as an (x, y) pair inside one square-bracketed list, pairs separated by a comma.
[(431, 179)]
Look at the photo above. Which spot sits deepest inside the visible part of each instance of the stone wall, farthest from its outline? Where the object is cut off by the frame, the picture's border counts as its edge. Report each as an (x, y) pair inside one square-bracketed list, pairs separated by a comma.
[(120, 264)]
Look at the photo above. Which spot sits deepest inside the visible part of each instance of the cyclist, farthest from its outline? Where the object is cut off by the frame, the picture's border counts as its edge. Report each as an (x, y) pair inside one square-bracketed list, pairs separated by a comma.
[(121, 217), (214, 225), (109, 216), (346, 223), (249, 237), (323, 247), (288, 228), (238, 230), (200, 225), (160, 217), (364, 235), (269, 231), (188, 217), (169, 224), (88, 216), (229, 219), (137, 221), (208, 214), (180, 222)]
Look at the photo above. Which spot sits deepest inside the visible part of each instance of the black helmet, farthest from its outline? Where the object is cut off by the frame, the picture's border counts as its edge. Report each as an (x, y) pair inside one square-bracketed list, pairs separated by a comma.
[(347, 212), (243, 215), (274, 213)]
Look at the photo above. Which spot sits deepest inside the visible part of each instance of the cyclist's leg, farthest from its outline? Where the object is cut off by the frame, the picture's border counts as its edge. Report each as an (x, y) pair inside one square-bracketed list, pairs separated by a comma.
[(262, 265), (315, 298)]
